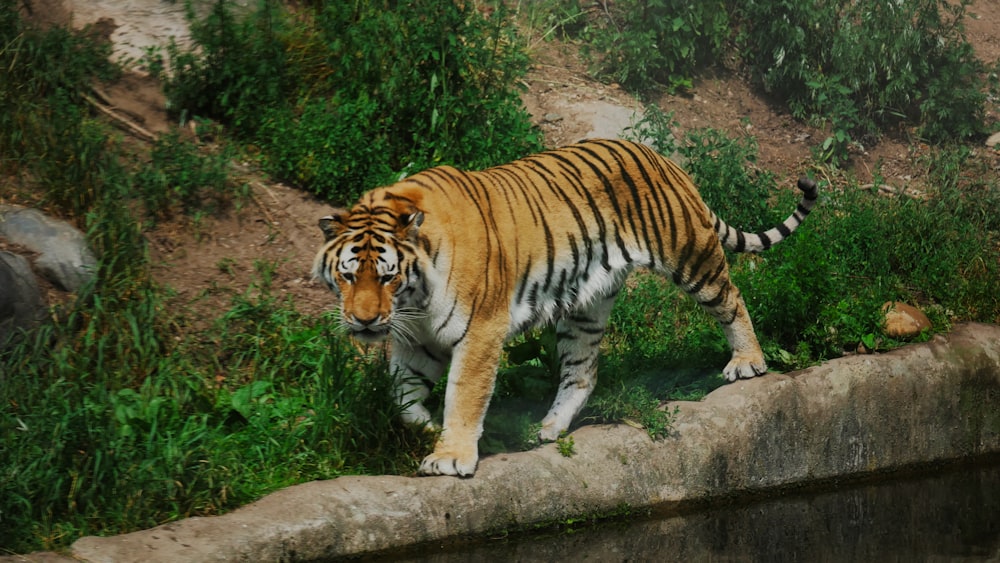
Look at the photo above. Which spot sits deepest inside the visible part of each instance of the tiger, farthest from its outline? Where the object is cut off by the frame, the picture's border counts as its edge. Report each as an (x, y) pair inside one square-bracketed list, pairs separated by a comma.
[(450, 265)]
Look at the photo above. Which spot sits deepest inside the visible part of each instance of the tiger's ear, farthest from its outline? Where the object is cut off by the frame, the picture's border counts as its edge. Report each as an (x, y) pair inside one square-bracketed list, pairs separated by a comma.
[(333, 224), (409, 223)]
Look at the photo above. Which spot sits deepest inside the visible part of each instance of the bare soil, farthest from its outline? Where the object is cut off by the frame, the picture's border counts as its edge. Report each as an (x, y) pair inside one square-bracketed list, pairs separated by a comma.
[(208, 261)]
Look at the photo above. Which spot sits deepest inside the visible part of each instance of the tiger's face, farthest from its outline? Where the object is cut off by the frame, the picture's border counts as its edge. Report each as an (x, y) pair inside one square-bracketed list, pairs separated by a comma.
[(368, 260)]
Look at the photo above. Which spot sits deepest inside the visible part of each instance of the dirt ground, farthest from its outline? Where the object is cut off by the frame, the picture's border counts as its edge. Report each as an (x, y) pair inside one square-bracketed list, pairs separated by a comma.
[(206, 263)]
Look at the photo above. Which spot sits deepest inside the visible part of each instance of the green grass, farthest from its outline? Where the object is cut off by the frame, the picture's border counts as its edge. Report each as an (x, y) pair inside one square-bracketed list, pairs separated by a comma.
[(109, 424)]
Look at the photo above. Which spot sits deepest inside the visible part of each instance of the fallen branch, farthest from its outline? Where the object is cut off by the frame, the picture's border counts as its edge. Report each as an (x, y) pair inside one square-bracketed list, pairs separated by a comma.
[(122, 121)]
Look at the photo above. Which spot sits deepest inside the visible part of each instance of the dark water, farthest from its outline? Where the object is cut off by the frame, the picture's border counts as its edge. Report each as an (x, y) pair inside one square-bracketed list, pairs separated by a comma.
[(950, 516)]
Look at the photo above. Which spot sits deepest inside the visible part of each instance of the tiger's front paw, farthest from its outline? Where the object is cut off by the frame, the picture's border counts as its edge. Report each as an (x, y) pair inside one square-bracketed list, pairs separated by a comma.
[(744, 366), (553, 426), (450, 462)]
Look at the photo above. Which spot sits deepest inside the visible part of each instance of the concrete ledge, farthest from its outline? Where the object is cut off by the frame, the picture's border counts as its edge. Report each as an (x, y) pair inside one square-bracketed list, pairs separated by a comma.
[(923, 404)]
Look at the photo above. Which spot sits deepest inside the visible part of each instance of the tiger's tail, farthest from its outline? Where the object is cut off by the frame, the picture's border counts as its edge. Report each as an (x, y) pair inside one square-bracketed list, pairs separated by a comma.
[(739, 241)]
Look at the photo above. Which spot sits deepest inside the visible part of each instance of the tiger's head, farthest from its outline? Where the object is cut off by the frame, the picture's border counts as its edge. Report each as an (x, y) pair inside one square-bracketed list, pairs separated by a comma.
[(368, 258)]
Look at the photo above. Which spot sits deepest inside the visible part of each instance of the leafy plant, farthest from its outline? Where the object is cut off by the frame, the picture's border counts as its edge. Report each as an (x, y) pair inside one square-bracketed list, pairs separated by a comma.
[(344, 97), (43, 75), (862, 66), (238, 68), (645, 42), (545, 19), (854, 68), (338, 149), (566, 446), (183, 178)]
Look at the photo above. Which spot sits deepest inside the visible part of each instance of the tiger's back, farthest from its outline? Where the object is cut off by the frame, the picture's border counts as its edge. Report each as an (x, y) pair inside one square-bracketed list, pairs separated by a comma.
[(548, 238)]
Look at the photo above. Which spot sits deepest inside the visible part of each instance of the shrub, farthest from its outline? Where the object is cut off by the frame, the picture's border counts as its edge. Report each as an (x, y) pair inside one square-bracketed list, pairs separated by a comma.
[(641, 43), (862, 66), (181, 177), (857, 68), (336, 149), (237, 69), (110, 422), (349, 95), (42, 76)]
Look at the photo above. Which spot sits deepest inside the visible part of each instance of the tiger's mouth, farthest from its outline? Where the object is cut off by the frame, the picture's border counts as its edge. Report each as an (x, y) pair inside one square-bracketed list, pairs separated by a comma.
[(369, 334)]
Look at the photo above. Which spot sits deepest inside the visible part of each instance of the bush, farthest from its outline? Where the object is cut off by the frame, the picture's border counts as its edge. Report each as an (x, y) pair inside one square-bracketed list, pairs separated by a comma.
[(42, 76), (237, 69), (348, 96), (641, 43), (336, 149), (113, 416), (863, 66), (182, 178), (857, 68)]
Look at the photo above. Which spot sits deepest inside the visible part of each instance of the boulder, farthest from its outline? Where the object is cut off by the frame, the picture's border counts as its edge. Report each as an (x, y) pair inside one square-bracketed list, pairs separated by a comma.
[(904, 321), (21, 303), (64, 258)]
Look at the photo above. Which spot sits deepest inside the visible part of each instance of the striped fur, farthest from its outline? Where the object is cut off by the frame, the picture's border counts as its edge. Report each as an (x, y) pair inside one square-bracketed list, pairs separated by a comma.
[(451, 264)]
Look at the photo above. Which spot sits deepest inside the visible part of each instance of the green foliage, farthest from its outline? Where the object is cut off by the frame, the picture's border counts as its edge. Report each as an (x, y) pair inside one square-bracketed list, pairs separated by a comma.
[(861, 66), (634, 405), (725, 171), (566, 446), (646, 42), (346, 96), (116, 414), (182, 177), (540, 20), (79, 166), (337, 149), (856, 68), (42, 74), (238, 69)]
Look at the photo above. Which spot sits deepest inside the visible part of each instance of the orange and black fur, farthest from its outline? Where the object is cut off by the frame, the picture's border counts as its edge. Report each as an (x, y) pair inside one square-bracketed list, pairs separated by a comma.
[(451, 264)]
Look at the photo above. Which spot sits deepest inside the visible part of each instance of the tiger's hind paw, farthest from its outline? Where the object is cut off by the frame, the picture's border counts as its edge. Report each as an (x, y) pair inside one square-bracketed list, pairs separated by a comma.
[(450, 463), (744, 367)]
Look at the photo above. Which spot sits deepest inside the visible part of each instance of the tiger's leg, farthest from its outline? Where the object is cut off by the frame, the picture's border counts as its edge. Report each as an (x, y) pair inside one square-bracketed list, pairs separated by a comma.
[(578, 342), (470, 386), (723, 301), (417, 368)]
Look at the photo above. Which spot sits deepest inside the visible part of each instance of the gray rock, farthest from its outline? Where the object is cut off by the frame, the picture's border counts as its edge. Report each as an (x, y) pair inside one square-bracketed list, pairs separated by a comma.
[(21, 304), (64, 258)]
